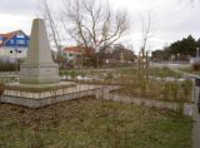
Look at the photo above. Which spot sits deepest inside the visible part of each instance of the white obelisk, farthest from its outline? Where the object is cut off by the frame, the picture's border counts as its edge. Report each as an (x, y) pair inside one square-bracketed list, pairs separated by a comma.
[(39, 67)]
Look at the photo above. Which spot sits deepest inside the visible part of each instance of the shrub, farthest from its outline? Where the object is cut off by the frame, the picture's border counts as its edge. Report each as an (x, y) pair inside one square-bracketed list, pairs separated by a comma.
[(196, 66), (9, 66)]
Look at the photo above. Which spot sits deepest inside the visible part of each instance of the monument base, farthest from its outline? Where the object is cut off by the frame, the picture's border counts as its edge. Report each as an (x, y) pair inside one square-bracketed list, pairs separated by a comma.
[(39, 74), (37, 96)]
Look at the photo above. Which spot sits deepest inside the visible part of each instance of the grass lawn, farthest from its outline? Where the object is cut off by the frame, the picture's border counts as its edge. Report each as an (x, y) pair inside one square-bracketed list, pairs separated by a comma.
[(164, 72), (153, 71), (159, 90), (90, 123), (136, 85), (190, 70)]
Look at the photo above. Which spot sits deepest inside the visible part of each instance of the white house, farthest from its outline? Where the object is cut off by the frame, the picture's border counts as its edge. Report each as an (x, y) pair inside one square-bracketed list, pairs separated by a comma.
[(14, 45)]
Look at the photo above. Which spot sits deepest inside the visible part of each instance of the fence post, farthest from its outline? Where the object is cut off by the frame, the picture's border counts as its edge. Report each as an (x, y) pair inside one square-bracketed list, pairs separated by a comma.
[(197, 84)]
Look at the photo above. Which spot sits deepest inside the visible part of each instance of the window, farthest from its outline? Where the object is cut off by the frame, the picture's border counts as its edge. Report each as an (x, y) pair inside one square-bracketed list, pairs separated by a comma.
[(1, 40), (21, 42), (20, 36), (12, 42)]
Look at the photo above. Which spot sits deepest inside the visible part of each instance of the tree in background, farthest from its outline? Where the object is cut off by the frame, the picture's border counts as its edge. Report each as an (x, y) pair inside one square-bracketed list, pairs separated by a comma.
[(182, 50), (161, 55), (93, 24), (125, 52), (198, 43), (88, 23), (143, 59), (187, 46)]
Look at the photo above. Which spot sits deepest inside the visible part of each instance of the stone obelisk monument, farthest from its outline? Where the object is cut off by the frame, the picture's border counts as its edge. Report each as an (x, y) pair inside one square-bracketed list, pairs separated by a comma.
[(39, 81), (39, 67)]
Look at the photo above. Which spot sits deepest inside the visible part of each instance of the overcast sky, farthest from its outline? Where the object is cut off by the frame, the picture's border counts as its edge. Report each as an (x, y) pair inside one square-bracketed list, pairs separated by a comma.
[(172, 19)]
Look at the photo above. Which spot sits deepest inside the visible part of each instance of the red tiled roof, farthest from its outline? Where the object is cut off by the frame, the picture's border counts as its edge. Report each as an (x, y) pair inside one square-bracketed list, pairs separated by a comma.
[(80, 50), (9, 36), (74, 49)]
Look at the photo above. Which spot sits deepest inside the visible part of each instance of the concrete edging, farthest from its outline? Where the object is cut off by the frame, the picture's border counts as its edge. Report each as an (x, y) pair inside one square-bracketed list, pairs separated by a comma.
[(185, 108)]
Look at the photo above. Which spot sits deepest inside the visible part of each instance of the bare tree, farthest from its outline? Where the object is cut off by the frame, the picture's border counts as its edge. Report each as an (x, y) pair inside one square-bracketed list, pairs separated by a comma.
[(92, 24), (146, 31), (143, 62), (89, 23)]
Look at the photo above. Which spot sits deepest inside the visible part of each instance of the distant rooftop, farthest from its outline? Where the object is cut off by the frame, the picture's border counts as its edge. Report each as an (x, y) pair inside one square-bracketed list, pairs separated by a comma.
[(9, 35)]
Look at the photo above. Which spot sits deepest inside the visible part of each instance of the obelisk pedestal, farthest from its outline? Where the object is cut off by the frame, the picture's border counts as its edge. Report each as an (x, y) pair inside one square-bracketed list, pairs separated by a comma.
[(39, 67)]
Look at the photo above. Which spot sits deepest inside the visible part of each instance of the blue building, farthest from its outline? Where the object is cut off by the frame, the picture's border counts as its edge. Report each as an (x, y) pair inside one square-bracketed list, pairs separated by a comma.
[(14, 45)]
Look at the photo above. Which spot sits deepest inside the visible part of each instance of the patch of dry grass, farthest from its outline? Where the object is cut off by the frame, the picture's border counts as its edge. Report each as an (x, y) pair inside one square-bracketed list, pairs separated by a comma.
[(162, 90), (92, 123), (136, 86)]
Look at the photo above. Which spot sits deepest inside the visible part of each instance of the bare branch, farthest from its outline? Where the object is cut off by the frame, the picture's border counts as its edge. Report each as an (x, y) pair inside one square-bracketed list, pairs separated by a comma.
[(146, 30), (50, 22)]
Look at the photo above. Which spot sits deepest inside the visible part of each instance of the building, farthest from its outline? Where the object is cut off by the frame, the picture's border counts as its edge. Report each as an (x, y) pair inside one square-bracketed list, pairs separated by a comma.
[(14, 45), (76, 56), (72, 53), (118, 54)]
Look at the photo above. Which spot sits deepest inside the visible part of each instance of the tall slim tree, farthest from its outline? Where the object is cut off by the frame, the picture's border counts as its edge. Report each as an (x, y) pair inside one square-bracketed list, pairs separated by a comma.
[(143, 62), (48, 15)]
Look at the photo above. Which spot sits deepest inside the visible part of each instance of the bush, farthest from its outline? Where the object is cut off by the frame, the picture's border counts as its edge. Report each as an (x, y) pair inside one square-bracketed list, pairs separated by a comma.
[(8, 66), (196, 66)]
